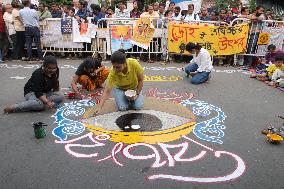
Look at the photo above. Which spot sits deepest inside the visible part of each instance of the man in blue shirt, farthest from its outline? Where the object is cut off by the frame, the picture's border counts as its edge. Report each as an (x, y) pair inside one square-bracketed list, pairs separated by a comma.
[(31, 22), (97, 14), (204, 15), (82, 13), (55, 12)]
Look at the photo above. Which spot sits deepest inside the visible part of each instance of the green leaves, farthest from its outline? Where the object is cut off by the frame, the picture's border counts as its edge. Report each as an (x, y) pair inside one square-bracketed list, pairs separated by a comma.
[(65, 2), (252, 5), (221, 4)]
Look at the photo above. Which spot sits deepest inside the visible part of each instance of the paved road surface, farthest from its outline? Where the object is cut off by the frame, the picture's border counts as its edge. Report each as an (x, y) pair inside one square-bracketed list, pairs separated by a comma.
[(225, 149)]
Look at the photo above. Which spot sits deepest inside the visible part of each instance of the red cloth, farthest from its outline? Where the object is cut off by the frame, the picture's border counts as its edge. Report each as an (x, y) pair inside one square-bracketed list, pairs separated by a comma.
[(2, 23), (235, 10)]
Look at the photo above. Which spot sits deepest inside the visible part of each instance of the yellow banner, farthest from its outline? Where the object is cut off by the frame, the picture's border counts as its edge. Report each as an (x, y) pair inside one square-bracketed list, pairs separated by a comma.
[(142, 33), (263, 38), (218, 40)]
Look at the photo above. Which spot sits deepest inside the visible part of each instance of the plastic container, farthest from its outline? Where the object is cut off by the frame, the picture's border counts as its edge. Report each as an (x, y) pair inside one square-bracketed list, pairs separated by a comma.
[(39, 130)]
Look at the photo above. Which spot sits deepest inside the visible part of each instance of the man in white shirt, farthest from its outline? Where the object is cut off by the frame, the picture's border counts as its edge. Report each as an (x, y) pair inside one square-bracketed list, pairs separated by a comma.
[(121, 12), (200, 66), (176, 15), (191, 16), (150, 13), (8, 18)]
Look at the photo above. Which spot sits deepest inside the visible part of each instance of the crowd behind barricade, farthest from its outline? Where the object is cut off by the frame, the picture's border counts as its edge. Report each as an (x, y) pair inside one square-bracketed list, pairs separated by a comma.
[(19, 22)]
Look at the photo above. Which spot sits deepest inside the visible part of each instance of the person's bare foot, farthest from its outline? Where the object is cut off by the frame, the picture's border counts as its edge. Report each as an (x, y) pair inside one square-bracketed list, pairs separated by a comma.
[(9, 110), (272, 84), (262, 79)]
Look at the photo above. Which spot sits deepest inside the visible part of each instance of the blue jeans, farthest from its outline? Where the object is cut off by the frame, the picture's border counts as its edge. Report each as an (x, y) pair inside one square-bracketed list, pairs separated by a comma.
[(200, 77), (33, 34), (124, 104), (261, 67)]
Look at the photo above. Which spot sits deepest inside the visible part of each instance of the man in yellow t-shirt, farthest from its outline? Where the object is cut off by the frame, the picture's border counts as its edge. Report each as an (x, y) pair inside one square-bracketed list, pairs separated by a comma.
[(125, 74)]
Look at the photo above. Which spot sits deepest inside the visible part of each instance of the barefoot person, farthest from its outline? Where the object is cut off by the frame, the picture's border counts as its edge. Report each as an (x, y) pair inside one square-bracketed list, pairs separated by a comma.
[(200, 66), (41, 89), (125, 74), (274, 72), (90, 74)]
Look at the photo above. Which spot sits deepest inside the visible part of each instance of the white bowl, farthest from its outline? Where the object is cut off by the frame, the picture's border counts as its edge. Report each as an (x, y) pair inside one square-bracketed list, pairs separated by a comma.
[(130, 93)]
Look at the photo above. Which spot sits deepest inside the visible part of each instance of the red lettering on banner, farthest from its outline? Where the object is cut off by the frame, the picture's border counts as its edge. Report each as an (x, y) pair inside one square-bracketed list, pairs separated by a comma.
[(179, 32), (224, 43), (241, 41)]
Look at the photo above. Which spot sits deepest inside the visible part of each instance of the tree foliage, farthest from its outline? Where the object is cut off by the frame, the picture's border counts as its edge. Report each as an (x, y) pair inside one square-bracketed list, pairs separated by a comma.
[(227, 4), (252, 5), (65, 2)]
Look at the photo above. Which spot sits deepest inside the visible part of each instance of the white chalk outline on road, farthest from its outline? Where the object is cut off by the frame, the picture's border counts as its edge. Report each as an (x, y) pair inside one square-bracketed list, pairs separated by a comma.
[(18, 77), (151, 68)]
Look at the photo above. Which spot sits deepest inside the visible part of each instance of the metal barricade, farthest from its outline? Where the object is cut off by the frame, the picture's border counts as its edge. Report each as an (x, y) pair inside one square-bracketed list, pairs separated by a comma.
[(256, 28), (159, 43), (54, 41), (253, 48), (104, 37)]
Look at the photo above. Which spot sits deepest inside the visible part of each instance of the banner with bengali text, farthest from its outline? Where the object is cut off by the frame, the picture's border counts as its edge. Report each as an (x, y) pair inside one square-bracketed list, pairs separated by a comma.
[(218, 40), (66, 26), (143, 33)]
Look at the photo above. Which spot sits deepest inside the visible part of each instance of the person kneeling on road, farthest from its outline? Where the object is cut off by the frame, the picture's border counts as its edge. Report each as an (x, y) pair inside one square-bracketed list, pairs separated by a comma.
[(90, 74), (200, 66), (41, 89), (125, 74)]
